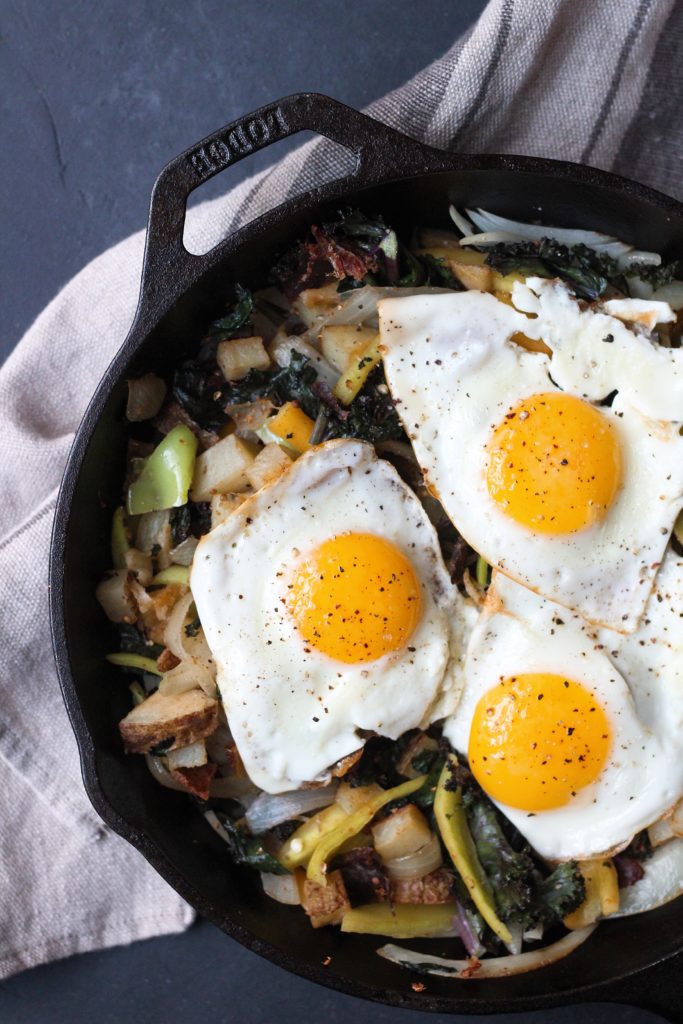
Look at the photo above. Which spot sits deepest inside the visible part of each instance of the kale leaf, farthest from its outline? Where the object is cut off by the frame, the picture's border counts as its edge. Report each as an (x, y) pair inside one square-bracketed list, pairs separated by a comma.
[(557, 895), (199, 391), (509, 872), (585, 271), (132, 641), (665, 273), (248, 849), (181, 524), (237, 316)]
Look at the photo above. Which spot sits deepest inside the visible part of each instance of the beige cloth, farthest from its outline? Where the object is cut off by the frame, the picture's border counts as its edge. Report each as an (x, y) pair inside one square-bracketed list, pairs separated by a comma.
[(562, 78)]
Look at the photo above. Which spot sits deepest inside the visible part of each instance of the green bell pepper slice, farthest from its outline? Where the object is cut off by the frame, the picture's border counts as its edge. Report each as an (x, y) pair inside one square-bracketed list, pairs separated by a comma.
[(166, 476)]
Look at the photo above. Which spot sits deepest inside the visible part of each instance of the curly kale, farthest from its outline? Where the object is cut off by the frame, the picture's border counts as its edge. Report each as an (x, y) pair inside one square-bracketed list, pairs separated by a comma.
[(132, 641), (238, 315), (509, 872), (199, 391), (248, 849), (557, 895), (522, 892), (665, 273), (588, 273)]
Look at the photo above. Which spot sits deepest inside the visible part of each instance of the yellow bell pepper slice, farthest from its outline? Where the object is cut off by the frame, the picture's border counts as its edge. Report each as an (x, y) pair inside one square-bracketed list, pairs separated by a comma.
[(602, 894), (291, 427), (296, 851), (353, 824), (449, 812), (355, 375), (400, 920)]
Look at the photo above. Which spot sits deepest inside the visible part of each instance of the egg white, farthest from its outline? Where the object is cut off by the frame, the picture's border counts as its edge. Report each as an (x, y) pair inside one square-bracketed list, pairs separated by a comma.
[(292, 710), (455, 373), (636, 679)]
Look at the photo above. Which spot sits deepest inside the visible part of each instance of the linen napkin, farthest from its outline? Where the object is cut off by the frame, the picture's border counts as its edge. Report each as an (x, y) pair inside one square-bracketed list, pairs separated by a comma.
[(585, 80)]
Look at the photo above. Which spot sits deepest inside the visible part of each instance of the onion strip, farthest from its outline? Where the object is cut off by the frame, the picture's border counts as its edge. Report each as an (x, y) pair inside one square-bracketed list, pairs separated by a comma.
[(269, 810), (496, 967)]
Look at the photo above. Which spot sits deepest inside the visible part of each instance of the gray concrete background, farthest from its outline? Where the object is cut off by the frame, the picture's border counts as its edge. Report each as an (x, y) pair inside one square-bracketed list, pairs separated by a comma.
[(94, 99)]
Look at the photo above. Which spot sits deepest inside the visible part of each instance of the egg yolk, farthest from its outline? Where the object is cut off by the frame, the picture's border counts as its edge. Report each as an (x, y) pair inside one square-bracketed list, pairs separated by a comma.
[(355, 598), (554, 464), (536, 740)]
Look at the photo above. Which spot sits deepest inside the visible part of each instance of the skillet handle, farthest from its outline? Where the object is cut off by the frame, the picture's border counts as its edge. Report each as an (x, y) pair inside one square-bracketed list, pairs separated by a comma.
[(374, 145)]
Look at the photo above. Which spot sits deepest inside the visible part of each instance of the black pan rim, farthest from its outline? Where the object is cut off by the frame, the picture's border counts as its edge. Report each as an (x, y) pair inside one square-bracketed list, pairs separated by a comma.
[(436, 161)]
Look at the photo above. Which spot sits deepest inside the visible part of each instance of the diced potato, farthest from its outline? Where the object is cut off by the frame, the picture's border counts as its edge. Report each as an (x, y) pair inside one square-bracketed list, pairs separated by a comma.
[(223, 505), (341, 342), (356, 374), (401, 833), (505, 282), (436, 887), (315, 302), (269, 464), (154, 534), (115, 596), (157, 608), (677, 816), (222, 468), (292, 427), (602, 894), (238, 356), (140, 564), (467, 265), (174, 719), (326, 904), (191, 756)]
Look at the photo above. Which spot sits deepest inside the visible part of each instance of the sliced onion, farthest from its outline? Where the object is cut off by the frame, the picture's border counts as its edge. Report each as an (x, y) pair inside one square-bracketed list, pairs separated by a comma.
[(418, 864), (493, 229), (145, 397), (162, 774), (516, 930), (359, 305), (660, 832), (661, 883), (486, 238), (180, 679), (282, 888), (271, 809), (183, 553), (467, 934), (174, 632), (464, 226), (496, 967)]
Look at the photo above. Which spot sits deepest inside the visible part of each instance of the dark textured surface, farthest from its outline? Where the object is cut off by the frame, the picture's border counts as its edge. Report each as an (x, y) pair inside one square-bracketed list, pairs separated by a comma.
[(95, 98), (94, 105)]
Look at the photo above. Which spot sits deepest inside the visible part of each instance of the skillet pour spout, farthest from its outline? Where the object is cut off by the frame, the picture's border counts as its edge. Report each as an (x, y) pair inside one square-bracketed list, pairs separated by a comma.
[(409, 183)]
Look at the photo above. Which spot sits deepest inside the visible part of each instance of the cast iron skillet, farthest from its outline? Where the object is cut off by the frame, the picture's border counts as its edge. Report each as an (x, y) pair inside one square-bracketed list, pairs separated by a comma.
[(410, 184)]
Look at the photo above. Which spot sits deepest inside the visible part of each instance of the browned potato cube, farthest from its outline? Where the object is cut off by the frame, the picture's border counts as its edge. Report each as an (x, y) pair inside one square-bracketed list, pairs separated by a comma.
[(181, 718), (326, 904)]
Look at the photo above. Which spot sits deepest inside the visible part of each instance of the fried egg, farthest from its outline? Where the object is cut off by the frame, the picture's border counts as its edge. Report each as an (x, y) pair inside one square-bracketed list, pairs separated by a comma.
[(575, 732), (330, 615), (568, 495)]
